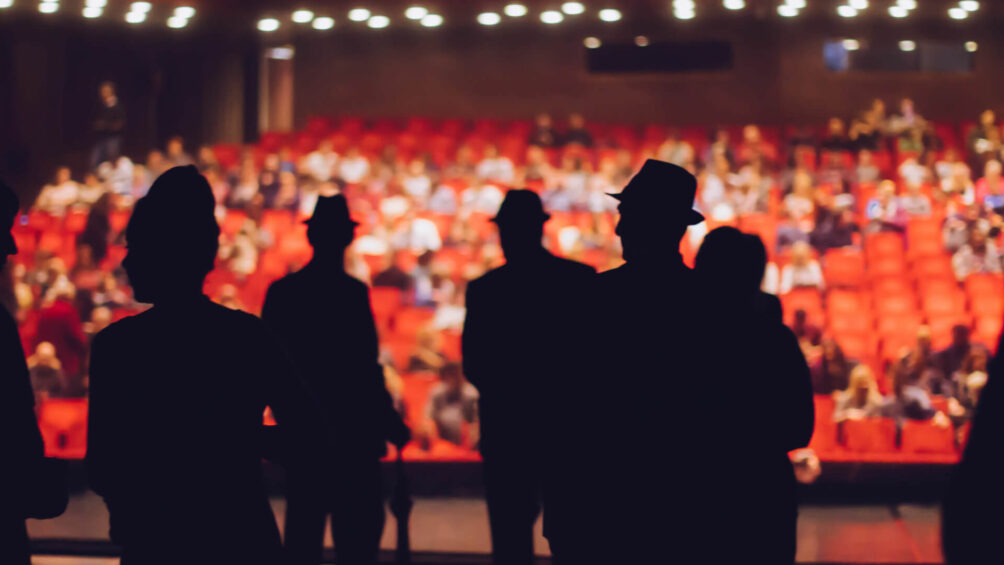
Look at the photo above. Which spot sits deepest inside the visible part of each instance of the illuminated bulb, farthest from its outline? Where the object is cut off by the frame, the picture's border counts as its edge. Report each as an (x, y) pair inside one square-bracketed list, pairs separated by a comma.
[(514, 10), (141, 7), (489, 18), (177, 22), (359, 14), (378, 22), (592, 42), (610, 15), (96, 3), (48, 7), (641, 41), (907, 4), (323, 23), (416, 12), (573, 8), (268, 25), (184, 12), (135, 17), (302, 16), (969, 5), (907, 45), (684, 14), (972, 46), (796, 4), (91, 12), (958, 13), (858, 4), (846, 11), (787, 11), (734, 4), (6, 3), (432, 20), (898, 12), (551, 17), (851, 44)]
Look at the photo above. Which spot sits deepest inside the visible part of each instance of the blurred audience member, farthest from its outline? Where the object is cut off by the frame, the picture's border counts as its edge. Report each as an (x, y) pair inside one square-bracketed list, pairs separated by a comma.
[(883, 211), (914, 202), (453, 408), (577, 133), (805, 331), (59, 324), (60, 196), (861, 399), (427, 355), (391, 275), (494, 167), (867, 170), (978, 255), (803, 271), (109, 125), (354, 167), (984, 142), (46, 373), (676, 151), (831, 372), (176, 156), (543, 134), (321, 163)]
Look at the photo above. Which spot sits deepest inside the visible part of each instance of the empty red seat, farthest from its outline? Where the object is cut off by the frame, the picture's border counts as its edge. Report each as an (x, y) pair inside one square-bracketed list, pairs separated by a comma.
[(844, 267), (925, 437), (884, 244), (944, 303), (385, 301), (872, 435), (824, 436), (850, 323), (896, 304), (63, 423), (984, 283)]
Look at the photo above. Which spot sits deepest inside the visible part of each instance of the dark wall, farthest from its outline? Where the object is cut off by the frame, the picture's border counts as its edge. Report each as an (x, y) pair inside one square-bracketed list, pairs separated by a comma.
[(778, 77)]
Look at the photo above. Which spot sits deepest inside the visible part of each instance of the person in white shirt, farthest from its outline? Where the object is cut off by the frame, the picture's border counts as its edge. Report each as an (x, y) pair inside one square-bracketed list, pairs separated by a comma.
[(354, 167), (92, 189), (57, 197), (443, 200), (803, 271), (482, 198), (495, 168), (417, 183), (120, 179), (417, 234), (320, 164)]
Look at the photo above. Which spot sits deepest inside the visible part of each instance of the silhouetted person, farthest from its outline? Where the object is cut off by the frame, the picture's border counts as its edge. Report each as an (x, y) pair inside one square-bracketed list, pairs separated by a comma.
[(515, 321), (109, 125), (22, 442), (637, 346), (764, 405), (175, 436), (323, 317), (971, 519)]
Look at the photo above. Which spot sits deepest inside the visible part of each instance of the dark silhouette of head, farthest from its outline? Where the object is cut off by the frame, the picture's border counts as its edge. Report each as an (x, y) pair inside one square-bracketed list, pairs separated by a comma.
[(800, 318), (520, 220), (960, 336), (731, 264), (656, 208), (9, 206), (172, 238), (330, 229)]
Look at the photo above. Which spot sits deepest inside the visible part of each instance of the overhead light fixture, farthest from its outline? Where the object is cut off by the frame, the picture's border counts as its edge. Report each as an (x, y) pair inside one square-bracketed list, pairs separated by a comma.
[(416, 12), (907, 45), (95, 3), (378, 22), (91, 12), (186, 12), (796, 4), (787, 11), (573, 8), (432, 20), (898, 12), (141, 7), (323, 23), (610, 15), (302, 16), (684, 14), (268, 25), (969, 5), (846, 11), (489, 18), (177, 22), (908, 4), (551, 17), (135, 17), (592, 42), (359, 14), (851, 44), (858, 4), (734, 4), (641, 41), (957, 13), (48, 7), (972, 46), (6, 4), (514, 10)]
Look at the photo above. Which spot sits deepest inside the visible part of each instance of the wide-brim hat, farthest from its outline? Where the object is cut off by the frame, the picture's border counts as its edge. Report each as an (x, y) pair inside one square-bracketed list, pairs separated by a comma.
[(331, 211), (521, 206), (663, 188)]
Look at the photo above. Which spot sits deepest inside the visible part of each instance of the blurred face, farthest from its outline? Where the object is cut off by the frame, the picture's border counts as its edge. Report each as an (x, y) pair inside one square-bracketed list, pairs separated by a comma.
[(62, 175), (107, 91), (325, 147), (174, 147), (576, 121), (544, 120), (993, 169), (988, 118), (836, 127)]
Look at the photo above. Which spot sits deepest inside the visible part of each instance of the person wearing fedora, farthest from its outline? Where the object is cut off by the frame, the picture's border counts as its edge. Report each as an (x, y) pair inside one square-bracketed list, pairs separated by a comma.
[(174, 438), (322, 316), (511, 353)]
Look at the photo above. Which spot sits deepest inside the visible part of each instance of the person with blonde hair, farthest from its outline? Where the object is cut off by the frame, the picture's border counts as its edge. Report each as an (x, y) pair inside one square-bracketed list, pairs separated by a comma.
[(861, 399)]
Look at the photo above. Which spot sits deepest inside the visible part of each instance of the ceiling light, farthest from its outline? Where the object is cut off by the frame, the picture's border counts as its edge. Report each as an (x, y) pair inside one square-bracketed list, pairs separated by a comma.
[(969, 5), (135, 17), (858, 4), (898, 11), (359, 14), (907, 45), (591, 42), (514, 10), (641, 41), (797, 4), (141, 7), (846, 11), (378, 22), (851, 44), (551, 17), (958, 13), (6, 3), (92, 12), (323, 23), (184, 12), (432, 20), (734, 4), (489, 18), (268, 24), (48, 7), (573, 8), (610, 15), (907, 4), (95, 3), (177, 22), (787, 11), (972, 46), (302, 16), (684, 14), (416, 12)]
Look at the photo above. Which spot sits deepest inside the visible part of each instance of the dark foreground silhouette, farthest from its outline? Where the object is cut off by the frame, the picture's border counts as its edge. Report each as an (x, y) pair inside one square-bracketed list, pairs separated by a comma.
[(323, 318), (175, 436), (512, 332)]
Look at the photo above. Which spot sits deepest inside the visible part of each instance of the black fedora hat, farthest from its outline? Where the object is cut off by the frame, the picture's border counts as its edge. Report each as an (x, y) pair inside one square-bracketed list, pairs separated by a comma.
[(663, 188), (521, 206), (331, 211)]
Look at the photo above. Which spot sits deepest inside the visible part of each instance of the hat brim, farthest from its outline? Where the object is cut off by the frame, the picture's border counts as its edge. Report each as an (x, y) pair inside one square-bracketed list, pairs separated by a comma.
[(691, 216), (543, 218)]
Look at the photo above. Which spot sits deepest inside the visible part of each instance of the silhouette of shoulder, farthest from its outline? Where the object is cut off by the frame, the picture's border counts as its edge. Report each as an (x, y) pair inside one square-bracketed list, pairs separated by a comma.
[(551, 266)]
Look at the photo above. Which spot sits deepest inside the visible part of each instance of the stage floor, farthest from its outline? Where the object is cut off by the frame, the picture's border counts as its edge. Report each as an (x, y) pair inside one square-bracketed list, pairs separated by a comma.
[(826, 534)]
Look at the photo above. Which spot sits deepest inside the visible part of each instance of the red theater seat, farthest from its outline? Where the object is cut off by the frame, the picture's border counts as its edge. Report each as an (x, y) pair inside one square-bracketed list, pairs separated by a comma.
[(984, 283), (408, 321), (385, 301), (824, 435), (884, 244), (844, 267), (925, 437), (63, 423), (873, 435)]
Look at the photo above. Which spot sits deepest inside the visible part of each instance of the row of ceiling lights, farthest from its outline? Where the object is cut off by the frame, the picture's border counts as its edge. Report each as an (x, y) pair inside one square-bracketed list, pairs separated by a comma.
[(899, 9), (138, 11), (907, 45)]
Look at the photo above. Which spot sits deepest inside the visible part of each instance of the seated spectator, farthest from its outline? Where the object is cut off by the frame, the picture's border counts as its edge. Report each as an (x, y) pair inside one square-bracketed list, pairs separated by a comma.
[(543, 134), (867, 170), (93, 188), (959, 184), (806, 332), (771, 278), (453, 408), (799, 205), (599, 187), (574, 177), (832, 172), (913, 402), (883, 211), (443, 200), (754, 148), (417, 183), (911, 171), (537, 169), (833, 230), (984, 142), (963, 408), (268, 179), (321, 163), (354, 168), (450, 313), (861, 399), (417, 234), (802, 272), (753, 188), (391, 275), (156, 165), (718, 144), (714, 189), (138, 187), (207, 159), (951, 359), (836, 140), (240, 253), (868, 131), (976, 361), (789, 233), (245, 186), (175, 155), (577, 133), (423, 284), (831, 372), (944, 167), (287, 197), (676, 151), (495, 168), (428, 352), (286, 163), (978, 255), (914, 202), (46, 373), (557, 199), (480, 198), (908, 127), (395, 203), (990, 188), (59, 324), (60, 196), (955, 230)]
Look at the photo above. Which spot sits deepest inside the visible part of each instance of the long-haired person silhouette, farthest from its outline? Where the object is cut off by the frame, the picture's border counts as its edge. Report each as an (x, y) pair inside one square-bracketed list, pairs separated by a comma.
[(175, 435), (764, 405), (322, 316), (515, 322)]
